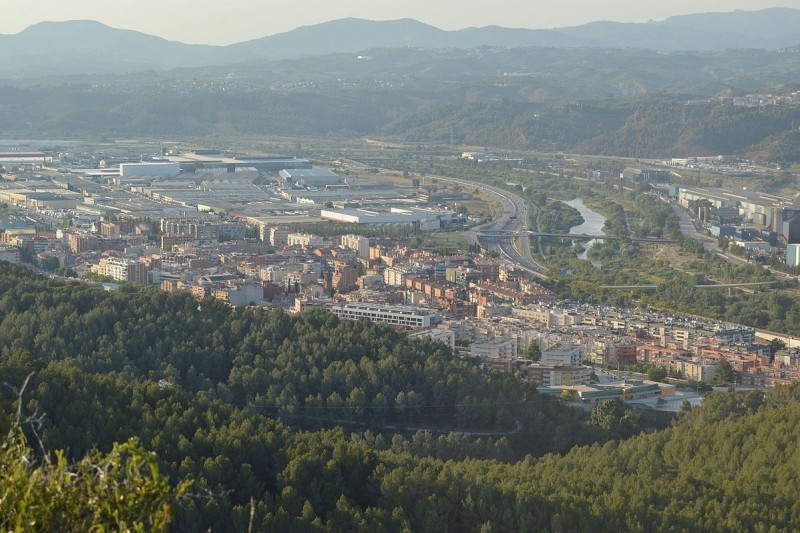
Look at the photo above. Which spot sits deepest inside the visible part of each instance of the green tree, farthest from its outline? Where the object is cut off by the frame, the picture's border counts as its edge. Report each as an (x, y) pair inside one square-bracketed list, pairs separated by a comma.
[(533, 352), (615, 418), (775, 345), (724, 373), (656, 373)]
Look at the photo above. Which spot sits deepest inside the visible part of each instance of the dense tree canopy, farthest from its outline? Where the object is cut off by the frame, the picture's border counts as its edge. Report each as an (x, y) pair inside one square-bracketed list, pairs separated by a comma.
[(309, 423)]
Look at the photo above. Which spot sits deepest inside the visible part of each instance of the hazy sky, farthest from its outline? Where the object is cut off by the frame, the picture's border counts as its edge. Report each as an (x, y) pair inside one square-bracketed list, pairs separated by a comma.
[(225, 22)]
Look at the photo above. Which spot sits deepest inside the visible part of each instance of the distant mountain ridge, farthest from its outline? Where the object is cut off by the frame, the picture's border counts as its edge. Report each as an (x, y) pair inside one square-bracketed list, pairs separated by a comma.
[(88, 47)]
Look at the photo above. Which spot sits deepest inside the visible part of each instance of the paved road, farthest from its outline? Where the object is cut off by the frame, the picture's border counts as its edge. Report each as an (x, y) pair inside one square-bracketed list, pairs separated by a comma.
[(690, 231), (514, 216)]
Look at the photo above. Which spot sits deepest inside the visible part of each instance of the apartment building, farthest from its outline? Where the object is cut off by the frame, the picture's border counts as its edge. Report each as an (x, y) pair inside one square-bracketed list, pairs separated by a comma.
[(397, 315)]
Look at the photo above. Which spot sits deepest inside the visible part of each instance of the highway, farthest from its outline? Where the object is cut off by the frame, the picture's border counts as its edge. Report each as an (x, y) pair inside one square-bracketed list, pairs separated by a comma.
[(514, 216)]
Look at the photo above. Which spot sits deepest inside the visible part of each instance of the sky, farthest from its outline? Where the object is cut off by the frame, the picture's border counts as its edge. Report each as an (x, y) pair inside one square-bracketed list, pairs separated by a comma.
[(230, 21)]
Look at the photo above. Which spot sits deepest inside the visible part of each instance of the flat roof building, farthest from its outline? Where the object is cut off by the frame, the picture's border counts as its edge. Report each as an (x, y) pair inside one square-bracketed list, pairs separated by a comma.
[(428, 219), (396, 315), (132, 170), (626, 390), (19, 159), (310, 177), (556, 375), (211, 159)]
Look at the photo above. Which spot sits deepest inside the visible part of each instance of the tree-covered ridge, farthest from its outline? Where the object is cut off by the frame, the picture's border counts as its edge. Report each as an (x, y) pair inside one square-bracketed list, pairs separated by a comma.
[(732, 465), (204, 385), (729, 465), (312, 368), (586, 109)]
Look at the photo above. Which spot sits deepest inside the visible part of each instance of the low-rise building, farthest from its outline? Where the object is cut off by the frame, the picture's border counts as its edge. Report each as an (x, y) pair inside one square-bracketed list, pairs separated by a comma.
[(240, 294), (494, 349), (556, 375), (304, 239), (446, 336), (397, 315), (9, 253), (562, 356), (626, 390)]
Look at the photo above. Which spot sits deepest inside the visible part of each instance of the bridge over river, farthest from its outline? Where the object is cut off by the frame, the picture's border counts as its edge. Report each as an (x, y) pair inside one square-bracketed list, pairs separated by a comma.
[(513, 234)]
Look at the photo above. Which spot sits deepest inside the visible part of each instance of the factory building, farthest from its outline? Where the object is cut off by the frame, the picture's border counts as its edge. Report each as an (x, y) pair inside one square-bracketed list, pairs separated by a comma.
[(790, 226), (41, 199), (762, 208), (428, 220), (16, 160), (317, 178), (141, 170), (198, 160)]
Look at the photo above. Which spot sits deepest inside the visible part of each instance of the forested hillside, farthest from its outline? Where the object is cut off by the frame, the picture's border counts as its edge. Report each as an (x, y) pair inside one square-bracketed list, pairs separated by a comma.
[(634, 127), (646, 127), (635, 103), (236, 402), (215, 390)]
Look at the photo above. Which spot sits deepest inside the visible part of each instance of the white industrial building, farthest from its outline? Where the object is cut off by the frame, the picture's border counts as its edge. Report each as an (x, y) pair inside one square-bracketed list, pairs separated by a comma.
[(428, 219), (139, 170), (760, 207), (752, 245), (23, 159), (310, 177)]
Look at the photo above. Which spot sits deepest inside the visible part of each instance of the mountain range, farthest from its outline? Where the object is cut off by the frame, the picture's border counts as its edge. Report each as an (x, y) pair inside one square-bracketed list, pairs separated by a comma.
[(89, 47)]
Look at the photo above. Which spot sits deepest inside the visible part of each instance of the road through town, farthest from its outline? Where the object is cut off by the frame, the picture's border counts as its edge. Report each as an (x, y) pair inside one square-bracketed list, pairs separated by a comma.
[(514, 217)]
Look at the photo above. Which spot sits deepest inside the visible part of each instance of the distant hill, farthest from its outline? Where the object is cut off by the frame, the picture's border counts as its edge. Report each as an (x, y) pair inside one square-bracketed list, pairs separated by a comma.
[(87, 47), (353, 35), (775, 27)]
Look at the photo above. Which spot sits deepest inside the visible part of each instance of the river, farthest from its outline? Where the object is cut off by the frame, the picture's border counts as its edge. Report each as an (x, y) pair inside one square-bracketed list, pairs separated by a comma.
[(592, 225)]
